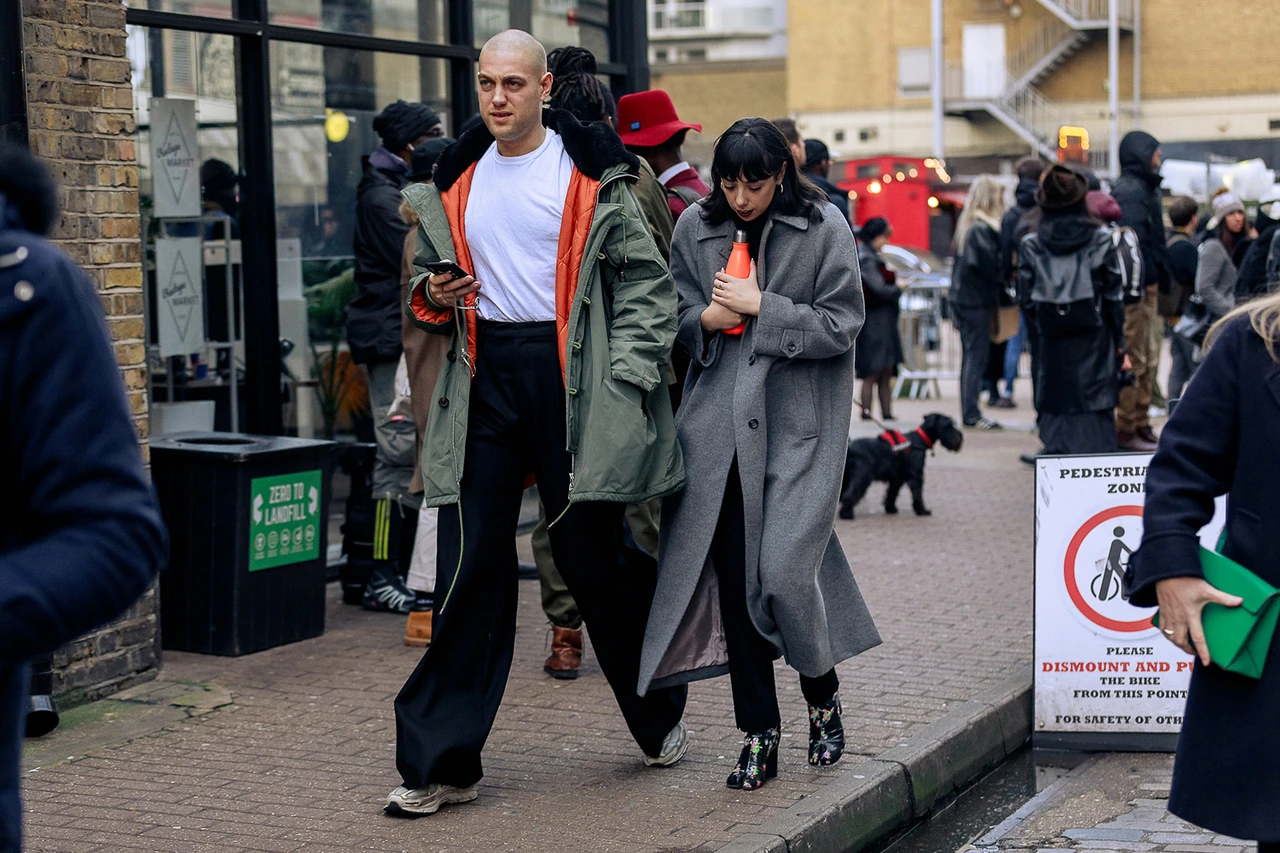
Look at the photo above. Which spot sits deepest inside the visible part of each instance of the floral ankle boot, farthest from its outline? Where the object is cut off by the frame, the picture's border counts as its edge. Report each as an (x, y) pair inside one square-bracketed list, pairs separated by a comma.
[(826, 732), (758, 761)]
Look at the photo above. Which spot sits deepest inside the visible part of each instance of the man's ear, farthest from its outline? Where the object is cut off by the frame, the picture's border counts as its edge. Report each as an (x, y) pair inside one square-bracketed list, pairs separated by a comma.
[(545, 85)]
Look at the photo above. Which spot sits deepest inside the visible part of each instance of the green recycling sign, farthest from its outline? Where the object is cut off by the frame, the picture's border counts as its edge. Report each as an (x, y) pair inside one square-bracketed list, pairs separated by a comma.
[(284, 525)]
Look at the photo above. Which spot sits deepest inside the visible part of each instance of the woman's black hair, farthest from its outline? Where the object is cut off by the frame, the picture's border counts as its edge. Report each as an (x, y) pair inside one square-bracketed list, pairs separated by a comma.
[(575, 87), (753, 149)]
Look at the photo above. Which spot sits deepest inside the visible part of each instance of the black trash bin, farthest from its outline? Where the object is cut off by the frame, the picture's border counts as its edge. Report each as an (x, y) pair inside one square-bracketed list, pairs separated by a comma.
[(248, 524)]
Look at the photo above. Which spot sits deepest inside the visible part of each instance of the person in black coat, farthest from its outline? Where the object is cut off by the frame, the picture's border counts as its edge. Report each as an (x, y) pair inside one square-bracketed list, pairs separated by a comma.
[(80, 532), (878, 348), (1251, 278), (374, 334), (1220, 440), (976, 288), (1070, 281)]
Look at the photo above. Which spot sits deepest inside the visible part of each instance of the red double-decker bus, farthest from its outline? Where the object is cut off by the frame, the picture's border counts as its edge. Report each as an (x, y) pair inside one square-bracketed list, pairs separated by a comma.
[(912, 193)]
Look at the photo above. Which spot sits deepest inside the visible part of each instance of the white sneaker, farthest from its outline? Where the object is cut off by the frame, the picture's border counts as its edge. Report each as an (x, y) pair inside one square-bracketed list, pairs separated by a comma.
[(674, 746), (414, 802)]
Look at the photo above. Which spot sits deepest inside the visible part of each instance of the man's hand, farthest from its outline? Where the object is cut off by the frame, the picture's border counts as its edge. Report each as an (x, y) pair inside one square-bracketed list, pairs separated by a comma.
[(740, 295), (446, 290), (717, 318), (1181, 600), (1126, 363)]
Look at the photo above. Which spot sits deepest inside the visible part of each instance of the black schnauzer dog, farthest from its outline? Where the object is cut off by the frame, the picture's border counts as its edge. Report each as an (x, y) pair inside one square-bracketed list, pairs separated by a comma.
[(897, 459)]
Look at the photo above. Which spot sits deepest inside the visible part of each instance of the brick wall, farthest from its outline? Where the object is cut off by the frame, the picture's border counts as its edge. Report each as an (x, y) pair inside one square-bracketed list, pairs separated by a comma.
[(716, 94), (80, 112)]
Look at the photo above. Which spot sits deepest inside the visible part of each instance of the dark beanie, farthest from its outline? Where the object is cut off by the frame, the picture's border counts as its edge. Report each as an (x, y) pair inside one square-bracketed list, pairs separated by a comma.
[(873, 228), (423, 161), (401, 123), (1061, 187)]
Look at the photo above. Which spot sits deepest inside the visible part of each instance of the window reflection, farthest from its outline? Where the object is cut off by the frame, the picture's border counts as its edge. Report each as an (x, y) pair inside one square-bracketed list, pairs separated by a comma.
[(555, 23), (207, 8), (410, 20), (324, 102)]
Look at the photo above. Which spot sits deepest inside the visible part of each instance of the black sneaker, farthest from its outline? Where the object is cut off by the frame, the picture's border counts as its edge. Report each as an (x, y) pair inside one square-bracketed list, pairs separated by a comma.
[(386, 593)]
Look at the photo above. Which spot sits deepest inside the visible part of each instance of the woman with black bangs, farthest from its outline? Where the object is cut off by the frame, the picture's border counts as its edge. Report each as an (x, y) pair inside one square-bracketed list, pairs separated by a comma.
[(749, 567)]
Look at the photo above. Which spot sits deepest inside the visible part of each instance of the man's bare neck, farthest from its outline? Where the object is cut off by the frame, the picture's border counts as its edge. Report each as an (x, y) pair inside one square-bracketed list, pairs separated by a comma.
[(523, 145)]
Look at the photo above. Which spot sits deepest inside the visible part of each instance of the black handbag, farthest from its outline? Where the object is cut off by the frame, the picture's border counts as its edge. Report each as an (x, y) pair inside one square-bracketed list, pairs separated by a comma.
[(1196, 322)]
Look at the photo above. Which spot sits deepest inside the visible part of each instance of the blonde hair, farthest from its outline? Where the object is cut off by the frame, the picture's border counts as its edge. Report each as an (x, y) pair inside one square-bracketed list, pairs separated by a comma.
[(407, 214), (1264, 317), (986, 204)]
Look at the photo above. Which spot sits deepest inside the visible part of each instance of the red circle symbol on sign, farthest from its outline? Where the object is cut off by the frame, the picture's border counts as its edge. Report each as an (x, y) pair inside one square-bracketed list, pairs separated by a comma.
[(1073, 589)]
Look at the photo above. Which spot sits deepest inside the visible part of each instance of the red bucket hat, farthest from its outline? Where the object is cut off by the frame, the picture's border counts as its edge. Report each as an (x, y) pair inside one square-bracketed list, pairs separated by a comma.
[(648, 119)]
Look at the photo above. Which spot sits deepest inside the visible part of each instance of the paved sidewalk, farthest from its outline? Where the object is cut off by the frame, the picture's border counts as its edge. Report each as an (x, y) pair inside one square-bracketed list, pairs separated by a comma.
[(1116, 802), (293, 748)]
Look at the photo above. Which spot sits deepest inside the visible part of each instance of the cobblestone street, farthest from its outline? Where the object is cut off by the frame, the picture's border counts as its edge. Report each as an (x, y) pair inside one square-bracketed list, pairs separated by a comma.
[(293, 748)]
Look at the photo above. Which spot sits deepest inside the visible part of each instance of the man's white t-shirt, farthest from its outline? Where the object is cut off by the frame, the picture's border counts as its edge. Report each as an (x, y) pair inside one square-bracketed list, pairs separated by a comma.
[(513, 220)]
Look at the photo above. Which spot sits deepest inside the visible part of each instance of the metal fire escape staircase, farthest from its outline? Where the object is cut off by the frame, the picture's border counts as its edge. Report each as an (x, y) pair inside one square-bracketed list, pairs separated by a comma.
[(1022, 107)]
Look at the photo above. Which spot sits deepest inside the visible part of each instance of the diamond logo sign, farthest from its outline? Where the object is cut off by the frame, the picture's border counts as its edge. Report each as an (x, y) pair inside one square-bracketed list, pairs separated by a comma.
[(179, 292), (175, 157)]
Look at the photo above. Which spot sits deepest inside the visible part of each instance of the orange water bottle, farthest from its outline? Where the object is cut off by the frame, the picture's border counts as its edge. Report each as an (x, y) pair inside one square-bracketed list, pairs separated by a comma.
[(739, 266)]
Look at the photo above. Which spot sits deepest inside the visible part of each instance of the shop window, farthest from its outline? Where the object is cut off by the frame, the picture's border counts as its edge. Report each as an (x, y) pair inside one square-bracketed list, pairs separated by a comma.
[(324, 102), (197, 68), (408, 20), (555, 23), (205, 8)]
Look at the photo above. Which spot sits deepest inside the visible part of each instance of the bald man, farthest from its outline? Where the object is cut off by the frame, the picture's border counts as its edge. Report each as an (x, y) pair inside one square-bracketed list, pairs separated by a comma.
[(557, 339)]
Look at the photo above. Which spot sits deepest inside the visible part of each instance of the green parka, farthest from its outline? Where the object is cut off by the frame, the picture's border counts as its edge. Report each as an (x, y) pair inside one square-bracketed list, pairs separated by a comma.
[(616, 326)]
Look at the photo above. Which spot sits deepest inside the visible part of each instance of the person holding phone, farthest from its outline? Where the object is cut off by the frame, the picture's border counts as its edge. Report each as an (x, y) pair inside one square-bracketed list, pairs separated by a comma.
[(558, 331), (750, 569)]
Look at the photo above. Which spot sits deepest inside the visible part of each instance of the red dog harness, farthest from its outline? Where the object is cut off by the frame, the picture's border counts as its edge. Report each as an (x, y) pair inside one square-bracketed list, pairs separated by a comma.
[(898, 442)]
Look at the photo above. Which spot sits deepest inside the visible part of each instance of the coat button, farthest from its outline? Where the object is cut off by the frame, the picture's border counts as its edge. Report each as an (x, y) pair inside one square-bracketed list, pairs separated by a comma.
[(751, 359), (451, 355), (753, 423), (791, 347), (444, 402)]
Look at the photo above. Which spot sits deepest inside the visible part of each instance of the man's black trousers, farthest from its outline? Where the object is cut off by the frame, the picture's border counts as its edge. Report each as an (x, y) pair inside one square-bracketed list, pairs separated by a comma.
[(516, 427), (751, 656)]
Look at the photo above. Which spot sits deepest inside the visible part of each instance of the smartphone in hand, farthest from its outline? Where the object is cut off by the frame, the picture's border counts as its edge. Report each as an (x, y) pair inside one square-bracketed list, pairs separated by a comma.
[(446, 267)]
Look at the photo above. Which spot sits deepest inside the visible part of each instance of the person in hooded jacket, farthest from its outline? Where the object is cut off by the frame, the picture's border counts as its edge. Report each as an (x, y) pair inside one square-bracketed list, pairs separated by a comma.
[(1070, 281), (80, 532), (976, 287), (1137, 191), (374, 335)]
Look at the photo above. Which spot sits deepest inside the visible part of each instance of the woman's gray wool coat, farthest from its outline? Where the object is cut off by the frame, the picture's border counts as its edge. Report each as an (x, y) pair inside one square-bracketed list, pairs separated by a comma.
[(780, 396)]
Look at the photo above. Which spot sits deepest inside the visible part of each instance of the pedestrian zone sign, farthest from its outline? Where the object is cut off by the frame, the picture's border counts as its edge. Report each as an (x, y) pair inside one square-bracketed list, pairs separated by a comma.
[(1102, 669), (284, 524)]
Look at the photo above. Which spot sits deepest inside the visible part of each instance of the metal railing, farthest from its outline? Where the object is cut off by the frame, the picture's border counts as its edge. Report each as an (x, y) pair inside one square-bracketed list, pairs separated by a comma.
[(1034, 112), (931, 348), (930, 344), (1092, 10)]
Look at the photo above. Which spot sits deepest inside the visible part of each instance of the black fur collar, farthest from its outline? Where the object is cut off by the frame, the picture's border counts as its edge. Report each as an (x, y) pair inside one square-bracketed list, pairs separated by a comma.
[(594, 148)]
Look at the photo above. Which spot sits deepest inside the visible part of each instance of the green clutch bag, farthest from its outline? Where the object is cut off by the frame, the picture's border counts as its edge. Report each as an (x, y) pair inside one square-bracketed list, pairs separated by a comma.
[(1238, 637)]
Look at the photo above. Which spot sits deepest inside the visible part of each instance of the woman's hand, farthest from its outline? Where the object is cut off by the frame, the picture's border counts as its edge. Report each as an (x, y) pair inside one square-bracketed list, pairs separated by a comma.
[(740, 295), (717, 318), (445, 290), (1181, 600)]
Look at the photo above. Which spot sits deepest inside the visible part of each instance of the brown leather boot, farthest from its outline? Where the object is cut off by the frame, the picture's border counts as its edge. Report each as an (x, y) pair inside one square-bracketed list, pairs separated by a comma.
[(417, 631), (566, 654)]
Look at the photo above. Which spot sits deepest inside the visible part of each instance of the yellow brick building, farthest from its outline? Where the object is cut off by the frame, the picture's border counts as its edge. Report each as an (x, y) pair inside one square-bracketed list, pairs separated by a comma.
[(859, 75)]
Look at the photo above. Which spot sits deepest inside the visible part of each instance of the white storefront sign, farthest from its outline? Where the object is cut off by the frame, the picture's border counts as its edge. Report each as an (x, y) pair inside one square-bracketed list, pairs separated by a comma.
[(179, 307), (175, 157), (1101, 666)]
